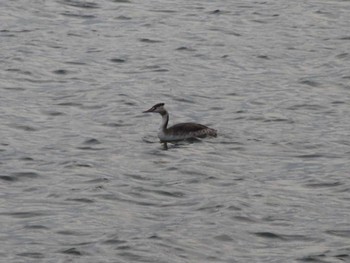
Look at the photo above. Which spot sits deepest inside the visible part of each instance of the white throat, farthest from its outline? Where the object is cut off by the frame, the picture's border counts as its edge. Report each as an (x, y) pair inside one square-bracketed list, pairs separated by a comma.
[(165, 120)]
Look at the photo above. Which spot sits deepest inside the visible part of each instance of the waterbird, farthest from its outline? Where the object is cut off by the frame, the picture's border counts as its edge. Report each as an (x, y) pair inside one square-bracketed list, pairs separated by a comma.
[(181, 131)]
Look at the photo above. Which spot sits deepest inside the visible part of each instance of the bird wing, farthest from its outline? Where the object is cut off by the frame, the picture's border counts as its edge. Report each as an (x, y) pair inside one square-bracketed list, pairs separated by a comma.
[(187, 127)]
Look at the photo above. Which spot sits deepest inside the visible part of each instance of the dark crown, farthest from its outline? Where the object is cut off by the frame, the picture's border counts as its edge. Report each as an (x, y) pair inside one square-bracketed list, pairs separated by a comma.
[(158, 105)]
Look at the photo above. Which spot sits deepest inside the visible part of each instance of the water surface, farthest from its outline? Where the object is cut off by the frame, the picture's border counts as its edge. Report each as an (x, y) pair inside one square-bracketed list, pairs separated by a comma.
[(83, 176)]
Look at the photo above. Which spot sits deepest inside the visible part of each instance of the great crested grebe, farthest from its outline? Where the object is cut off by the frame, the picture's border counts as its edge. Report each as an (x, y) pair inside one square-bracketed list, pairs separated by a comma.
[(181, 131)]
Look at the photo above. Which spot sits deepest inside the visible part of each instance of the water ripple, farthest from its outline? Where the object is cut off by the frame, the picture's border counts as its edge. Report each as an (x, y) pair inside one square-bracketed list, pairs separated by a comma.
[(80, 4), (84, 177)]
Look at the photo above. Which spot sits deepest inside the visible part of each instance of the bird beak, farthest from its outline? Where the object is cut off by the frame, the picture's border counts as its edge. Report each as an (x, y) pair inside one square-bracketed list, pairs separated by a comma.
[(150, 110)]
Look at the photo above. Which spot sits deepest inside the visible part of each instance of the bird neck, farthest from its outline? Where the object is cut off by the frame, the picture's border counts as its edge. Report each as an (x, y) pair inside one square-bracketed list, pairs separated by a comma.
[(165, 120)]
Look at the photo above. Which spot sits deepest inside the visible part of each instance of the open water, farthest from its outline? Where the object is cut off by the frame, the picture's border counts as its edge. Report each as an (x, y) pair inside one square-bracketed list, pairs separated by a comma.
[(83, 177)]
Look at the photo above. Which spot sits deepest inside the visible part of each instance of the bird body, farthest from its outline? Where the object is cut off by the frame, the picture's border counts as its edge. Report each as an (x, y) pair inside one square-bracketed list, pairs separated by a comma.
[(181, 131)]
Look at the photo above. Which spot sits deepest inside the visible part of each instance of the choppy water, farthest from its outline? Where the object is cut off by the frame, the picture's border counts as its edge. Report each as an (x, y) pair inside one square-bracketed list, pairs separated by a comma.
[(83, 176)]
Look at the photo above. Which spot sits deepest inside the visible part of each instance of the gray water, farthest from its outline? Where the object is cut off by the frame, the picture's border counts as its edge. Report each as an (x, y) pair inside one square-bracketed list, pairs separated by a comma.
[(83, 176)]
